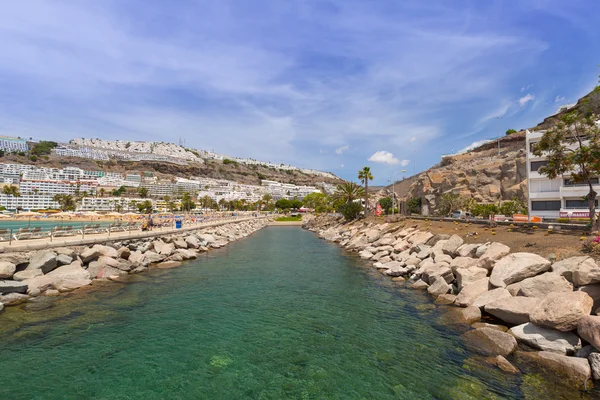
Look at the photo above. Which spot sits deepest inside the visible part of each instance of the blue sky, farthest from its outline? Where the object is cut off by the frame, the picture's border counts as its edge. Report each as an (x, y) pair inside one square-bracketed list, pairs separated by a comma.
[(321, 84)]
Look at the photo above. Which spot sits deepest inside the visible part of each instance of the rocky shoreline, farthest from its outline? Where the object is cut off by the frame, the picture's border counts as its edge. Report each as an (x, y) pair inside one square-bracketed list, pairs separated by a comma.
[(537, 311), (52, 272)]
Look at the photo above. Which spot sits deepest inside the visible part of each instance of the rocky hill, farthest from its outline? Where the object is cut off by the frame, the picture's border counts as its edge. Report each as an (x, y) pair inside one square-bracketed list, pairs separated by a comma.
[(482, 173)]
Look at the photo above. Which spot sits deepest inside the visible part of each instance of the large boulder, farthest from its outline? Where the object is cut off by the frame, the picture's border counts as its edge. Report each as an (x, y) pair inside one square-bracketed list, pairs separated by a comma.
[(168, 264), (489, 297), (7, 269), (493, 252), (469, 293), (66, 251), (463, 262), (192, 241), (452, 245), (512, 310), (433, 271), (13, 299), (124, 253), (419, 238), (69, 277), (465, 276), (163, 248), (537, 337), (586, 273), (541, 285), (467, 315), (151, 257), (180, 244), (371, 235), (490, 342), (467, 250), (63, 259), (90, 254), (439, 287), (516, 267), (562, 310), (38, 284), (592, 290), (186, 254), (588, 327), (27, 274), (594, 360), (365, 255), (43, 260), (576, 370), (12, 287), (106, 250), (567, 266)]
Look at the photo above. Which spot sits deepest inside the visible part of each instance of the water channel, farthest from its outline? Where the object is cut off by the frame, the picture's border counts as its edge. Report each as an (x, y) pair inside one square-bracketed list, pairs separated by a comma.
[(279, 315)]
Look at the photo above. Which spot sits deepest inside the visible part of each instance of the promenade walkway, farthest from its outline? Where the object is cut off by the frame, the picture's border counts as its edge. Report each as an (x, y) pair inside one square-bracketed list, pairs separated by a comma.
[(89, 239)]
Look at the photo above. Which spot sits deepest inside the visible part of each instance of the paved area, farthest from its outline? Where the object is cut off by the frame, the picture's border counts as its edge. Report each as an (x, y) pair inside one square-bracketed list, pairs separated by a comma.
[(81, 240)]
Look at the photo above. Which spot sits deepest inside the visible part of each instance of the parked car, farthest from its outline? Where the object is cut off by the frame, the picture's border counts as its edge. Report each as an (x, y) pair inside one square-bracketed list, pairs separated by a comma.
[(461, 214)]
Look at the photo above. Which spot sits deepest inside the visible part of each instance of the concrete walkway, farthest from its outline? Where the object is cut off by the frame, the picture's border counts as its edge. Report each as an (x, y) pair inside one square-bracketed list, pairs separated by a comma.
[(89, 239)]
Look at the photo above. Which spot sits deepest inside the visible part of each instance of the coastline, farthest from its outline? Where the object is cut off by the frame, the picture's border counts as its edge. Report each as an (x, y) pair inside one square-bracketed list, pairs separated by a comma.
[(520, 309), (61, 268)]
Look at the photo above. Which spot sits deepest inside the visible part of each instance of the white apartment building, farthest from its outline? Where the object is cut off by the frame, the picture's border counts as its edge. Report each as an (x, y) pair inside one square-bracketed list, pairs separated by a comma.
[(554, 198), (52, 187), (12, 144), (121, 204), (28, 202)]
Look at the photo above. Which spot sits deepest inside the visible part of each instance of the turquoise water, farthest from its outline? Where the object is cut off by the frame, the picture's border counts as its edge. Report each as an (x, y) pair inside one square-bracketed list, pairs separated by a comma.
[(280, 315)]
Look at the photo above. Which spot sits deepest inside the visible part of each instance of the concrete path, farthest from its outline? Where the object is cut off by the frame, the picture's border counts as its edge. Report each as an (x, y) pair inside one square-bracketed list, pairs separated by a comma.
[(84, 240)]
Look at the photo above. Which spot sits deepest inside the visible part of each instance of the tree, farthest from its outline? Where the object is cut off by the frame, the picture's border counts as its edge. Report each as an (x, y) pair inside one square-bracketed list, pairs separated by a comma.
[(510, 131), (351, 210), (348, 192), (143, 192), (102, 192), (320, 202), (145, 207), (267, 200), (413, 205), (12, 191), (365, 176), (386, 203), (572, 148), (65, 201), (448, 202), (187, 203), (283, 204)]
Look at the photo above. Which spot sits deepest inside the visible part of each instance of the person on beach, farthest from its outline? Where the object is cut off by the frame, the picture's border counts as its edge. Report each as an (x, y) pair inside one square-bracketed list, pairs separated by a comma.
[(150, 222)]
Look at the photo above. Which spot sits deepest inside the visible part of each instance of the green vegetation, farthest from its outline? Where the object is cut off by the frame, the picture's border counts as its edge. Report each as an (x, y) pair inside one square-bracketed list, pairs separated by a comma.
[(2, 153), (42, 148), (145, 207), (11, 191), (286, 204), (318, 201), (386, 203), (484, 210), (351, 210), (143, 192), (187, 204), (228, 161), (510, 131), (365, 176), (118, 192), (572, 148), (289, 219), (413, 205), (65, 201)]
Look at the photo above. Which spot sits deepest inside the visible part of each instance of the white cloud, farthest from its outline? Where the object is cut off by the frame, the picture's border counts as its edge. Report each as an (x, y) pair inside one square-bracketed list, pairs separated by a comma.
[(525, 99), (342, 149), (413, 139), (385, 157), (526, 88), (559, 99), (473, 145)]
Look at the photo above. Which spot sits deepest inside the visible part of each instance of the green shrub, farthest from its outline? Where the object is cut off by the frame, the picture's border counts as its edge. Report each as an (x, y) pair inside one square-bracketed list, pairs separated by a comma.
[(510, 131), (351, 210)]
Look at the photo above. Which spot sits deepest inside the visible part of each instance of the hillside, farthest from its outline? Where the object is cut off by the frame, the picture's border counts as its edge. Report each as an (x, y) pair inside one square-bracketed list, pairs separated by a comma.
[(482, 173), (247, 174)]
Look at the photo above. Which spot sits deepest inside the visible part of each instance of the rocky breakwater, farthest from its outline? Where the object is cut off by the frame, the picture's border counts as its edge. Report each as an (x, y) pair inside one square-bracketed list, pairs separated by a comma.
[(538, 312), (24, 276)]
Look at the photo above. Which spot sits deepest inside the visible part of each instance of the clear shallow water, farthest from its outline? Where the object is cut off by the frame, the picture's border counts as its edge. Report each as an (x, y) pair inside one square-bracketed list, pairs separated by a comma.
[(279, 315)]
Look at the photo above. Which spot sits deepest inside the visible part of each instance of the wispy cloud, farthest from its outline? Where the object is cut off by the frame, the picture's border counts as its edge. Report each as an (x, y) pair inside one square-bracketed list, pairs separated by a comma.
[(341, 150), (559, 98), (526, 99)]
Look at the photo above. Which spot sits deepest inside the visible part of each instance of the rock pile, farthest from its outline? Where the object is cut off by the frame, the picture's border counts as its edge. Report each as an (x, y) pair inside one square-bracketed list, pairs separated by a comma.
[(547, 306), (50, 272)]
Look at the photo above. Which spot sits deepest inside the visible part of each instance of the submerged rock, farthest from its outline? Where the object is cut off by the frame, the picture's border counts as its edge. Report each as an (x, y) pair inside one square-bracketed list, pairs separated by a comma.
[(488, 341)]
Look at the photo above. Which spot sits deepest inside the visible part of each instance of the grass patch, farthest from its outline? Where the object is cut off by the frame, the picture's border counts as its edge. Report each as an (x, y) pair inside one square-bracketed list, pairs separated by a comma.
[(289, 219)]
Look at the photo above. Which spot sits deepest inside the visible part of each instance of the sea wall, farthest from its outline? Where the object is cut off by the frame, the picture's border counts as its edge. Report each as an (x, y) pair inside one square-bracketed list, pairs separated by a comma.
[(52, 272), (537, 311)]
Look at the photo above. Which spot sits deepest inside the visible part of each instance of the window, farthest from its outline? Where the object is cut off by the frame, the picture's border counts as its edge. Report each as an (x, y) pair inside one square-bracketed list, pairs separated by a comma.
[(552, 205), (569, 182), (535, 165), (580, 203)]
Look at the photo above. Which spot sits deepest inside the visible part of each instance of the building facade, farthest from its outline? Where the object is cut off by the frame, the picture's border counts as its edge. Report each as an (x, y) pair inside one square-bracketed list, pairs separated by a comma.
[(554, 198)]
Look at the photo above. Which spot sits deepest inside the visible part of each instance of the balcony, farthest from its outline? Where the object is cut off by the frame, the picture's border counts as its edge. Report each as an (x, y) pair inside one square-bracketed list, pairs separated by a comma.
[(578, 190), (549, 195)]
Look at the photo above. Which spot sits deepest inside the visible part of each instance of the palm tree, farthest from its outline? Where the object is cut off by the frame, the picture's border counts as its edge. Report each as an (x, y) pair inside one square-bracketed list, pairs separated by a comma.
[(365, 176), (348, 192), (102, 192)]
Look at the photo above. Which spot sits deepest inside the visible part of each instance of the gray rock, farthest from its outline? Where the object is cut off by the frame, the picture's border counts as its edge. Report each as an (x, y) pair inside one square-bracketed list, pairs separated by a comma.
[(467, 315), (586, 273), (90, 254), (452, 245), (152, 257), (482, 249), (43, 260), (192, 242), (180, 244), (12, 287), (489, 297), (106, 250), (470, 292), (537, 337), (516, 267), (7, 269), (576, 371), (439, 287), (27, 274), (512, 310), (365, 255), (124, 253), (69, 277), (419, 238), (467, 250), (585, 351), (419, 285), (539, 286), (588, 327), (19, 259), (567, 266), (463, 262), (594, 360), (436, 238), (465, 276), (13, 299), (139, 270), (67, 251), (562, 310), (494, 252), (445, 299), (63, 259), (488, 341)]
